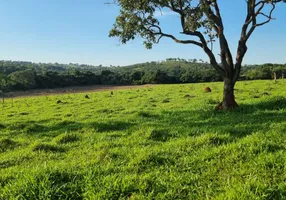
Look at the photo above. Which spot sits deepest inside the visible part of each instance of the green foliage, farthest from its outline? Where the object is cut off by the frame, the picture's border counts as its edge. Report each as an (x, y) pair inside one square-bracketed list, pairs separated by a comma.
[(5, 83), (26, 79), (139, 18), (134, 146), (265, 71), (174, 70)]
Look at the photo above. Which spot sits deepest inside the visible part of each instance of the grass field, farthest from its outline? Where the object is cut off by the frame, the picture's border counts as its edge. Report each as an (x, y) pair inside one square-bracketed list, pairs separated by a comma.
[(158, 142)]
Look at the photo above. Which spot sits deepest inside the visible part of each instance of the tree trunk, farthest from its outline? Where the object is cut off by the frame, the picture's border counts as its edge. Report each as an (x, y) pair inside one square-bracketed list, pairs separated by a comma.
[(228, 101)]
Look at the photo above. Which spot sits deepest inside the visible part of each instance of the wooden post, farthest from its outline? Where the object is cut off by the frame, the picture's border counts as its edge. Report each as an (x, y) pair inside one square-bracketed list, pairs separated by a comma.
[(12, 100), (274, 76)]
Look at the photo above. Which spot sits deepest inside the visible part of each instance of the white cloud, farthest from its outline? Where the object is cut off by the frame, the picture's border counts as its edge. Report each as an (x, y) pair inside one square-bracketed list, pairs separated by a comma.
[(161, 13)]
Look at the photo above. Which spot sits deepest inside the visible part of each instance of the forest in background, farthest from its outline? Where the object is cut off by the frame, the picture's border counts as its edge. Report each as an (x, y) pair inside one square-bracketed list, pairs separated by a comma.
[(20, 75)]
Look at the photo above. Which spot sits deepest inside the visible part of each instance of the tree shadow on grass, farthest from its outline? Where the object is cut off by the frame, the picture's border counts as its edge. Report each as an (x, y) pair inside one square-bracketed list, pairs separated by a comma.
[(110, 126), (273, 104), (161, 135), (65, 126), (247, 119), (37, 128)]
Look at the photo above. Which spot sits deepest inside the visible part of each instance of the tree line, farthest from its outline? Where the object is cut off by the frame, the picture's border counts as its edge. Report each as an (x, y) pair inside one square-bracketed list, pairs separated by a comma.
[(17, 75)]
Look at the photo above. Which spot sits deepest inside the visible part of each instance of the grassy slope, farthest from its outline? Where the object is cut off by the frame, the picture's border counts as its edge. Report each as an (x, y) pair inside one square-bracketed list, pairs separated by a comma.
[(155, 142)]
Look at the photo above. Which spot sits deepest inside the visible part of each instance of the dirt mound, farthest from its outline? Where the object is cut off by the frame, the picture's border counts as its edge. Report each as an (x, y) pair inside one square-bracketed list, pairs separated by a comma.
[(207, 89)]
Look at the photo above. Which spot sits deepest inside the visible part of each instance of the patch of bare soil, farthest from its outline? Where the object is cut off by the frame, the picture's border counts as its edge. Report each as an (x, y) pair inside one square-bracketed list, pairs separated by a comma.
[(68, 90)]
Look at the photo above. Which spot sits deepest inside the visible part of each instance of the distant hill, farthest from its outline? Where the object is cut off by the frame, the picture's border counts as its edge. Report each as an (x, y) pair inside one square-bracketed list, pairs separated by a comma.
[(21, 75)]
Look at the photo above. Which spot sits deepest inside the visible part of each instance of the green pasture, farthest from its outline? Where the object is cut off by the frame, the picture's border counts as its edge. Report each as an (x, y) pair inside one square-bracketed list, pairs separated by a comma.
[(157, 142)]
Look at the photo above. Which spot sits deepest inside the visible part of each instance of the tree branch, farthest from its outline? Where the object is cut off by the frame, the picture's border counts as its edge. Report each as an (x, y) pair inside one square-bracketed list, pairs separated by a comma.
[(254, 9), (181, 11), (215, 17), (161, 34)]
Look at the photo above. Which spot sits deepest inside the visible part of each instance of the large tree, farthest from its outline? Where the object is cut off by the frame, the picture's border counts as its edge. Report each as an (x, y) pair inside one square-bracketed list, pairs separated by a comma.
[(202, 21)]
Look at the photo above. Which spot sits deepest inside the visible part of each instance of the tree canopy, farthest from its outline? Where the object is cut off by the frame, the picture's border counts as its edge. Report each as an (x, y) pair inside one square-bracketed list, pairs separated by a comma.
[(202, 21)]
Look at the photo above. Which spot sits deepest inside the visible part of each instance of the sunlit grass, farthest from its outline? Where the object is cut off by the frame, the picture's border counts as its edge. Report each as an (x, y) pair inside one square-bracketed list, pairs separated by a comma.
[(158, 142)]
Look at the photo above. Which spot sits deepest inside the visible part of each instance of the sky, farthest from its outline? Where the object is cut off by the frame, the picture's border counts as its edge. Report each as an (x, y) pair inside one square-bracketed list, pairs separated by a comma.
[(76, 31)]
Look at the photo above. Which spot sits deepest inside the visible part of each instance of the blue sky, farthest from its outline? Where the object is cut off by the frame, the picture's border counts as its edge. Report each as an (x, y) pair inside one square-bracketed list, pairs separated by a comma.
[(76, 31)]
